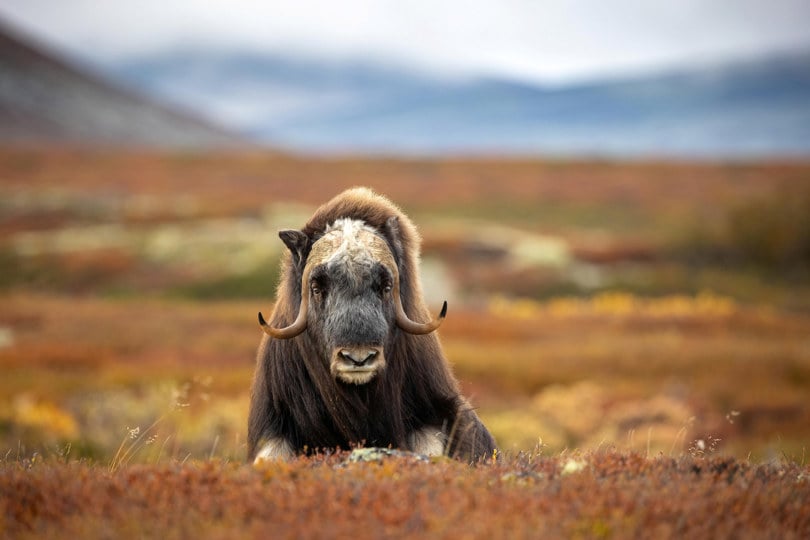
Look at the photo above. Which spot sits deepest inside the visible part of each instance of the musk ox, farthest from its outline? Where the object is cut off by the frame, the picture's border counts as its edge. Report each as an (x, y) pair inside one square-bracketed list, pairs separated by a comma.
[(345, 361)]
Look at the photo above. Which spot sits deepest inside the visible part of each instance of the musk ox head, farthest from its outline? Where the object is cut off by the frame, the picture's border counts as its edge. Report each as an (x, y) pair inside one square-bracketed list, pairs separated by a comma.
[(350, 298)]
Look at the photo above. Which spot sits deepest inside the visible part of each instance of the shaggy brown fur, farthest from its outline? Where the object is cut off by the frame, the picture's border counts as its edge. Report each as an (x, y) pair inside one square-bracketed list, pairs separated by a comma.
[(294, 396)]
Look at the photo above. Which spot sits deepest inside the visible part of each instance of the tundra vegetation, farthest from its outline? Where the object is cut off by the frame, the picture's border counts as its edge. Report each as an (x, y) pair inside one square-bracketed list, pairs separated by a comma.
[(634, 335)]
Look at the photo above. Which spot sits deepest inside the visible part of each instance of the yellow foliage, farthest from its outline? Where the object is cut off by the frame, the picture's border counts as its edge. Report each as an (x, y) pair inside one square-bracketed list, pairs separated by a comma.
[(44, 416), (516, 429), (616, 304)]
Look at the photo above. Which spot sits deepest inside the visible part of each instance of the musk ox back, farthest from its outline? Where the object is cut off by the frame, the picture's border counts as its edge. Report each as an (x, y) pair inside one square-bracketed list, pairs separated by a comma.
[(345, 360)]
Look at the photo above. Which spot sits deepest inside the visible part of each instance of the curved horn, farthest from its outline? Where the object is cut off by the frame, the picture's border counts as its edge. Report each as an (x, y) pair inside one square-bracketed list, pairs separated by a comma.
[(406, 323), (300, 323)]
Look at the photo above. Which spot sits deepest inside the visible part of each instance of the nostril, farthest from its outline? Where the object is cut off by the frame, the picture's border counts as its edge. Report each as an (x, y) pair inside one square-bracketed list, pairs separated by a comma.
[(358, 358)]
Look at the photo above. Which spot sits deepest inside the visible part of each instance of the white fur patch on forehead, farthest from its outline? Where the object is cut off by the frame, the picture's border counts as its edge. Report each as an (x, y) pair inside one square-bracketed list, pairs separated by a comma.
[(352, 242), (349, 227)]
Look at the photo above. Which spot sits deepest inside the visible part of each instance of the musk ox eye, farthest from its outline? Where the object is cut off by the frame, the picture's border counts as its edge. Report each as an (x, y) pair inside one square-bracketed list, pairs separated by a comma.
[(385, 284), (315, 288)]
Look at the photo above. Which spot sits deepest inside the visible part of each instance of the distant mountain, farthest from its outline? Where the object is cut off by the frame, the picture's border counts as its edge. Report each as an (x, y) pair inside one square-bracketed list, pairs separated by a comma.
[(748, 109), (47, 99)]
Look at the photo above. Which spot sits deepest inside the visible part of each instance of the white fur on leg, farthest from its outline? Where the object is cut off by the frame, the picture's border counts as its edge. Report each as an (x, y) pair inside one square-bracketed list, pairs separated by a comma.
[(429, 441), (274, 449)]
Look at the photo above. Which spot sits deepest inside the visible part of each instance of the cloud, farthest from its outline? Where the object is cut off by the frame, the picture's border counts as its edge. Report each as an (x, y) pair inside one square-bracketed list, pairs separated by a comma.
[(555, 39)]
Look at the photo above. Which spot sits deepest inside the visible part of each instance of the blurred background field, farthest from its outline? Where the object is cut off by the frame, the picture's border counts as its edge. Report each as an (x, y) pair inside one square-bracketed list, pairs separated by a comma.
[(659, 306), (614, 200)]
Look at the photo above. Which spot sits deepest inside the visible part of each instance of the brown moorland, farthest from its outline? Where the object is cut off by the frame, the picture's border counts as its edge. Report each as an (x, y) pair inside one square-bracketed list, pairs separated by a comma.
[(590, 495), (634, 334)]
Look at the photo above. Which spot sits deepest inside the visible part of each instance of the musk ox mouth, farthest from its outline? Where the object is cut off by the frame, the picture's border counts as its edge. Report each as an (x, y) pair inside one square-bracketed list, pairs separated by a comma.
[(357, 365)]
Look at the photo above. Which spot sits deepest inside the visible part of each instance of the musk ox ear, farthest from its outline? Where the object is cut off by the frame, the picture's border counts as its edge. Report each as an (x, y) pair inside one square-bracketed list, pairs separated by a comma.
[(394, 237), (297, 242)]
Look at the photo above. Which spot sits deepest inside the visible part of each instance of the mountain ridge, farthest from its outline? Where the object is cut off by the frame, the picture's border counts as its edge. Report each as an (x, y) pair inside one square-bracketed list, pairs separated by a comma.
[(755, 107), (749, 108)]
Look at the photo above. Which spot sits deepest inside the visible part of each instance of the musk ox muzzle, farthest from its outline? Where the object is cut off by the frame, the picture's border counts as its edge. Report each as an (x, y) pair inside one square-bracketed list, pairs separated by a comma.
[(357, 365), (350, 301)]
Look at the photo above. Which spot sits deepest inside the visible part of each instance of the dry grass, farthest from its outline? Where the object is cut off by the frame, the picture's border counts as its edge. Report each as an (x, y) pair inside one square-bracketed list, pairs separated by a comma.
[(595, 494)]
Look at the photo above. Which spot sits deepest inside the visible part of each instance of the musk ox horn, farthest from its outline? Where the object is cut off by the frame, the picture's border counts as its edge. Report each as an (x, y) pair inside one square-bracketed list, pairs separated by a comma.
[(418, 328), (300, 323), (404, 322)]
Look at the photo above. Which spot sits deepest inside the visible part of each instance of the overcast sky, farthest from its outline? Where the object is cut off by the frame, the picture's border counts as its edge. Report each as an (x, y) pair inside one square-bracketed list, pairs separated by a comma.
[(553, 40)]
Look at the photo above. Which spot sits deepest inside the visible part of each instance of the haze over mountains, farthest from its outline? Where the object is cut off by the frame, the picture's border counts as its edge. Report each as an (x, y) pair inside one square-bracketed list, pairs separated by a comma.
[(752, 108)]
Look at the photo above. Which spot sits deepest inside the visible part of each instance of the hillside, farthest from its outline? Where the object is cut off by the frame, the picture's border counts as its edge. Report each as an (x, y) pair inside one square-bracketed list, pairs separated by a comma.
[(48, 99)]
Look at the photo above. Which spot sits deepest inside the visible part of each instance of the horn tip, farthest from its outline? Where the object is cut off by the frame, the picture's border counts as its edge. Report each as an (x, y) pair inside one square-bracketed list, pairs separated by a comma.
[(443, 314), (261, 320)]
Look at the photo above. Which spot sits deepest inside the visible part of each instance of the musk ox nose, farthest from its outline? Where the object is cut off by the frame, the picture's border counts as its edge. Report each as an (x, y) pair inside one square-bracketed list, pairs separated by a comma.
[(357, 365), (359, 357)]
